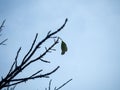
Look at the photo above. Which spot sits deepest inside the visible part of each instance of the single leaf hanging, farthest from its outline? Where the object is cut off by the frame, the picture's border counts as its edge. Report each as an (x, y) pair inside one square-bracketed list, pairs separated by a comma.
[(63, 48)]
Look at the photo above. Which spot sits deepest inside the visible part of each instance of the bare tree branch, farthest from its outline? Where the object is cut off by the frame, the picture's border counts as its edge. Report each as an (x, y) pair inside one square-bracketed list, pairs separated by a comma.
[(30, 48), (17, 57), (2, 25), (49, 88), (3, 41), (11, 80), (55, 88), (17, 81), (63, 84)]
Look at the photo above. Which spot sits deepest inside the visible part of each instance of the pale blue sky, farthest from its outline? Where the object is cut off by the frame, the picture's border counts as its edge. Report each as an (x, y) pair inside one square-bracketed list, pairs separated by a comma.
[(92, 35)]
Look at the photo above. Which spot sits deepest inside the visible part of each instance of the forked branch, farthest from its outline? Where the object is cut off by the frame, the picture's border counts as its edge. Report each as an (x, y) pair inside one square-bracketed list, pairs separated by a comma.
[(11, 80), (57, 88)]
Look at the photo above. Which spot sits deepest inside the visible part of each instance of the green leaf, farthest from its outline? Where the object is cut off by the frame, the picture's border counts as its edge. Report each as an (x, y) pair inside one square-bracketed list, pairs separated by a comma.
[(63, 48)]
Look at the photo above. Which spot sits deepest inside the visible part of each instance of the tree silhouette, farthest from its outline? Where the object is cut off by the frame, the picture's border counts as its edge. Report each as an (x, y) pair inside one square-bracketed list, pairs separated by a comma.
[(10, 80)]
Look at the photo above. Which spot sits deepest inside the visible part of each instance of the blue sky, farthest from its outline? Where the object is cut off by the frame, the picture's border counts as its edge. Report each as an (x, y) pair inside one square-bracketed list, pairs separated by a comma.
[(92, 35)]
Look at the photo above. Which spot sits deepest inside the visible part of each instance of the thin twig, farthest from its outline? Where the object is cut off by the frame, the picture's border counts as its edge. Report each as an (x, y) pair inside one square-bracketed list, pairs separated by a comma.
[(50, 84), (63, 84), (17, 57), (30, 48), (2, 25), (2, 43)]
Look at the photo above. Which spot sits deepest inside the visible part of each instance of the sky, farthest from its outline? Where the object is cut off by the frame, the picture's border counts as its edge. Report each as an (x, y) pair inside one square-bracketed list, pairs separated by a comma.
[(92, 35)]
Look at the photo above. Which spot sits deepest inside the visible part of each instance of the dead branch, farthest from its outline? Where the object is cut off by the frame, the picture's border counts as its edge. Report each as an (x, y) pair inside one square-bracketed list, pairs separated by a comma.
[(55, 88), (62, 85), (2, 25), (1, 28), (3, 42), (11, 80)]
